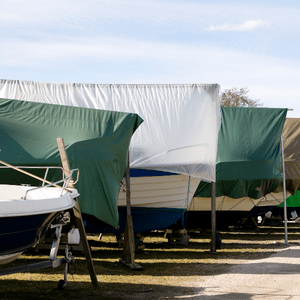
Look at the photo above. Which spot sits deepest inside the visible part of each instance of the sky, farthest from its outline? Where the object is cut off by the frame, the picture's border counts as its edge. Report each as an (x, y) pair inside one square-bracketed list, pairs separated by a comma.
[(253, 44)]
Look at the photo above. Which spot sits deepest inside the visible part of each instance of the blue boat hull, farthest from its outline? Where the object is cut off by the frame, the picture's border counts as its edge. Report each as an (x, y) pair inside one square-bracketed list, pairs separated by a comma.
[(18, 234), (144, 220)]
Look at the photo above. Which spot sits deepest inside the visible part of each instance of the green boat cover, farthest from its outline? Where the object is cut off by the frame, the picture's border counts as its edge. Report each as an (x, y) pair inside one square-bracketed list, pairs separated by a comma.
[(248, 155), (292, 201), (96, 141)]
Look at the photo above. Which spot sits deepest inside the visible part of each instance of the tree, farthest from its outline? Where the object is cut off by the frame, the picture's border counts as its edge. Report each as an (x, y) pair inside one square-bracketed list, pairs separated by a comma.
[(235, 97)]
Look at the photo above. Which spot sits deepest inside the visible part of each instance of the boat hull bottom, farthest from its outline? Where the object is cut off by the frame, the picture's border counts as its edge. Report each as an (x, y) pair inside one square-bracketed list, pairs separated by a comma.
[(201, 220), (5, 259), (18, 234), (144, 220)]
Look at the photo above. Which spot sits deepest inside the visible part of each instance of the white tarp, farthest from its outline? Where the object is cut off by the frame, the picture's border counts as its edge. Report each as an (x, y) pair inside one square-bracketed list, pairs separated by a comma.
[(181, 121)]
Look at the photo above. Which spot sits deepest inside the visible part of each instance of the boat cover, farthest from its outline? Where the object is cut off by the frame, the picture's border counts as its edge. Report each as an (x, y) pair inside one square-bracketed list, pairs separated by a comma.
[(97, 143), (181, 121), (249, 156), (291, 141)]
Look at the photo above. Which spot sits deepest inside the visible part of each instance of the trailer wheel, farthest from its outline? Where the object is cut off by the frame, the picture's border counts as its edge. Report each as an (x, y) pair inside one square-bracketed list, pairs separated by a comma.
[(61, 285)]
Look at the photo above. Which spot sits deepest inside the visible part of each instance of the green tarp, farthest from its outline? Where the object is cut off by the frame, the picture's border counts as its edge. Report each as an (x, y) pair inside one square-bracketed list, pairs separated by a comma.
[(248, 156), (97, 143), (292, 201)]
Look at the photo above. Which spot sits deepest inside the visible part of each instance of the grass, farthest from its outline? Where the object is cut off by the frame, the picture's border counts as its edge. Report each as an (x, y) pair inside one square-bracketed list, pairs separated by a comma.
[(169, 270)]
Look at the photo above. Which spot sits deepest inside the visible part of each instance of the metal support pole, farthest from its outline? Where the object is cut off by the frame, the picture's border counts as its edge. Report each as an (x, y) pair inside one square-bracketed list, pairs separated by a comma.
[(284, 192), (213, 218)]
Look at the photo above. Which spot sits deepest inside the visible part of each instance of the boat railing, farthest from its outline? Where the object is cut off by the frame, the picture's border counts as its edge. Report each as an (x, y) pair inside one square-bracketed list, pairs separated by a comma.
[(64, 180), (64, 187), (47, 168)]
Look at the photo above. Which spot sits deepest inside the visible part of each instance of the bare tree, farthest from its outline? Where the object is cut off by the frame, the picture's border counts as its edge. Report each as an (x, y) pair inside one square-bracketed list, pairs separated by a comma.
[(235, 97)]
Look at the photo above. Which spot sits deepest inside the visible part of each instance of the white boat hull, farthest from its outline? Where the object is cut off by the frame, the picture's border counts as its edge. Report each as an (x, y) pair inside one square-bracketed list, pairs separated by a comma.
[(245, 204), (157, 199), (170, 191)]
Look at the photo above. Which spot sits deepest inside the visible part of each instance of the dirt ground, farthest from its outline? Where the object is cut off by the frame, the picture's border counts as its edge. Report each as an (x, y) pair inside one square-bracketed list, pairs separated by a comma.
[(275, 277), (251, 264)]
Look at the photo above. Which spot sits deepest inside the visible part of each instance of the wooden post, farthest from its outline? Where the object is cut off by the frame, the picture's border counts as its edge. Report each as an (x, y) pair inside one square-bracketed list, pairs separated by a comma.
[(213, 218), (128, 244), (77, 214)]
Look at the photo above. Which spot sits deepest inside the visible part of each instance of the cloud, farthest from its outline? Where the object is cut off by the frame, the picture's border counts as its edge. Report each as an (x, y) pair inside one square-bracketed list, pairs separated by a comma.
[(115, 17), (16, 52), (246, 26), (272, 79)]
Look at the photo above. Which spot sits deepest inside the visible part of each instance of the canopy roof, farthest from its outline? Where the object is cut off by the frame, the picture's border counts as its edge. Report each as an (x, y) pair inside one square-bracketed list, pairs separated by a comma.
[(249, 156), (181, 121), (97, 143)]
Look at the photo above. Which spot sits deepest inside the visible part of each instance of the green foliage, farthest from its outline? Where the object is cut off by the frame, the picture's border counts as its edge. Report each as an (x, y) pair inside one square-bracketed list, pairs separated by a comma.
[(238, 98)]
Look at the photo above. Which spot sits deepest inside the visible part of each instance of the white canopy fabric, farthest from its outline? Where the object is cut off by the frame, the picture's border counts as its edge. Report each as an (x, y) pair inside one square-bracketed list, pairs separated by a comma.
[(181, 121)]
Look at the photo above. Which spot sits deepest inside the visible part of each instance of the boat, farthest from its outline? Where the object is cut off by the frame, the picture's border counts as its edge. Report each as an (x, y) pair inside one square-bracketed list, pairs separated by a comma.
[(27, 212), (158, 199), (231, 211), (291, 140), (248, 170)]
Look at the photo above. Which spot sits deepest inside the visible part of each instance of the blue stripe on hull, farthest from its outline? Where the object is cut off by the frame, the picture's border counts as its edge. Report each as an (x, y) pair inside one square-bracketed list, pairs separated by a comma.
[(144, 220), (20, 233), (148, 173)]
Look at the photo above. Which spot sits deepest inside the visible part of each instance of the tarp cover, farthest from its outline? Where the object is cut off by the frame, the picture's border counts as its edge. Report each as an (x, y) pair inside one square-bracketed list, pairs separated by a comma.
[(97, 143), (181, 121), (249, 156), (292, 200), (291, 142)]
